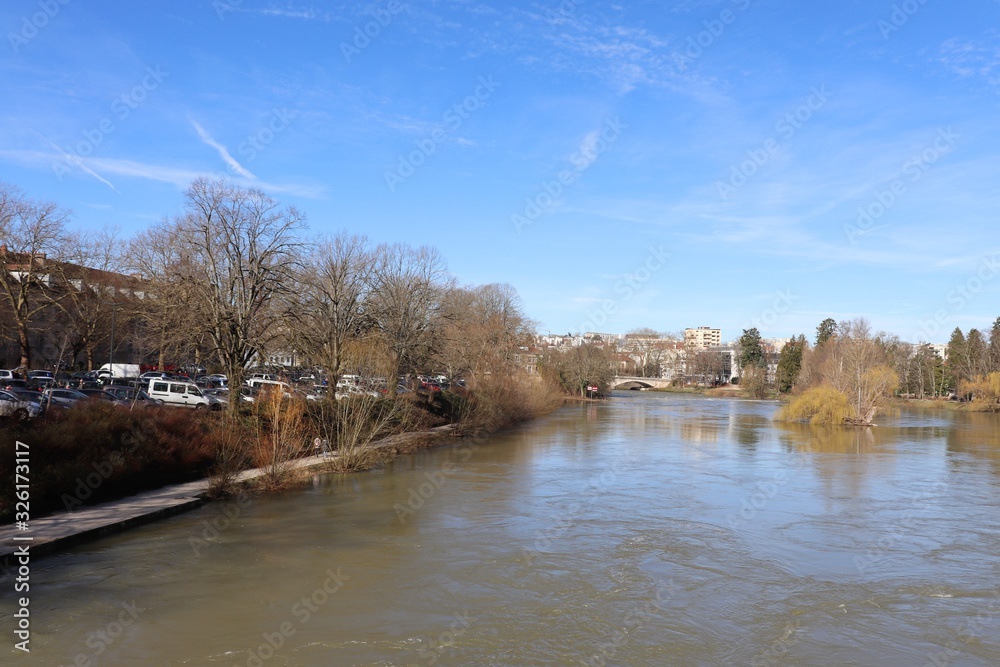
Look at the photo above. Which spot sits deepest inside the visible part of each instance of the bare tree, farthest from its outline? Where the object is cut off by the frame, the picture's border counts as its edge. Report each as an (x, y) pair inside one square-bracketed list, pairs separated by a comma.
[(858, 368), (646, 348), (407, 287), (483, 328), (29, 232), (91, 284), (164, 306), (239, 251), (330, 304)]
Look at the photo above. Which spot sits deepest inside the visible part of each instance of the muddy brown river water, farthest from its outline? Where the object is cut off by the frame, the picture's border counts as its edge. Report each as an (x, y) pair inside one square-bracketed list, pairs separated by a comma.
[(655, 529)]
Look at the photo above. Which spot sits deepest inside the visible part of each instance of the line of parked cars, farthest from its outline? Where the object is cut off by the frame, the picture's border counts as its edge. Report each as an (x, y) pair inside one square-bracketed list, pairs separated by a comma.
[(24, 398)]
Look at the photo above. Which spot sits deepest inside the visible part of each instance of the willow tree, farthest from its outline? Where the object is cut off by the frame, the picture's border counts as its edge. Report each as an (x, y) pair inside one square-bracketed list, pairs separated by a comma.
[(855, 368), (239, 252)]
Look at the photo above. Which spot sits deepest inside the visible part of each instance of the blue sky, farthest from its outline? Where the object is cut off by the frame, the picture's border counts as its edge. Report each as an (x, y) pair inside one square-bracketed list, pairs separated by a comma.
[(661, 164)]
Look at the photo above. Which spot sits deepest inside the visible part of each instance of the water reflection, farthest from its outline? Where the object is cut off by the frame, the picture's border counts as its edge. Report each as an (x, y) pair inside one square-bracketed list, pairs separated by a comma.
[(651, 530)]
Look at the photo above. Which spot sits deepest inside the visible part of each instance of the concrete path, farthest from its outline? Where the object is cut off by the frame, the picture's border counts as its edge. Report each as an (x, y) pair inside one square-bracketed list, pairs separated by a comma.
[(62, 530)]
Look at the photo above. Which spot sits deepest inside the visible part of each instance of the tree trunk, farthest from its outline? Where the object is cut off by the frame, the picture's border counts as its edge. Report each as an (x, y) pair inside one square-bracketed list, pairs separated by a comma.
[(22, 335)]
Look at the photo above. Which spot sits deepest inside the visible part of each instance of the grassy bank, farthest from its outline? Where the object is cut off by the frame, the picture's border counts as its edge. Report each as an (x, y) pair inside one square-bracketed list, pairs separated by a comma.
[(97, 452)]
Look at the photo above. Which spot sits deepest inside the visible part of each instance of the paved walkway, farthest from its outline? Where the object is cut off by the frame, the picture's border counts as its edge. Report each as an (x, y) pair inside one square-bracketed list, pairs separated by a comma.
[(62, 530)]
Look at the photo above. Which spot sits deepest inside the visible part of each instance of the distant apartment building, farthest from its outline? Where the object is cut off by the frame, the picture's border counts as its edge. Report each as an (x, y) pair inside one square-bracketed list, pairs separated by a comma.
[(76, 310), (775, 345), (702, 338)]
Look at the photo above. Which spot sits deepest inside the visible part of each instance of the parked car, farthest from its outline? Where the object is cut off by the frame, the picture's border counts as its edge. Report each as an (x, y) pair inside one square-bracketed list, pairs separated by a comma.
[(9, 375), (13, 407), (30, 397), (133, 396), (248, 394), (184, 394), (101, 395), (40, 374), (13, 384), (41, 383), (64, 398), (118, 382), (148, 375), (276, 385)]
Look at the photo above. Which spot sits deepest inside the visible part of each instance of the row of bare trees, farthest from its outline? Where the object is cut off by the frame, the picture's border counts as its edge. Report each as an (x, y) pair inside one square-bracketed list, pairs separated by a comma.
[(235, 278)]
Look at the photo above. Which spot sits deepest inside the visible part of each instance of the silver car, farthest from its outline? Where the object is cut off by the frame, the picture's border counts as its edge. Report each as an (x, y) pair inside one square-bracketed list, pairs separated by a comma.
[(64, 398), (19, 410)]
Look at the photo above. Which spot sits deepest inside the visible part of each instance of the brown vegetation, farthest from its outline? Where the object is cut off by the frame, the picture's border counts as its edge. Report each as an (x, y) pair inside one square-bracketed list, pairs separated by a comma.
[(99, 452), (847, 379)]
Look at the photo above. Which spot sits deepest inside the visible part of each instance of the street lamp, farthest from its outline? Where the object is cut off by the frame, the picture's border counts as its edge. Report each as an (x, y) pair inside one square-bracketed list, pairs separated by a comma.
[(111, 350)]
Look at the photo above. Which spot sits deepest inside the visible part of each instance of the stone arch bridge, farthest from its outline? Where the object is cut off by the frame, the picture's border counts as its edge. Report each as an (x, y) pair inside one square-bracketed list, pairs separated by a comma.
[(625, 382)]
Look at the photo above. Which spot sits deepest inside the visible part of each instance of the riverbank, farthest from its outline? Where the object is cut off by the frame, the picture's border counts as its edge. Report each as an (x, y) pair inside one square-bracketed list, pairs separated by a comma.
[(63, 530), (495, 407)]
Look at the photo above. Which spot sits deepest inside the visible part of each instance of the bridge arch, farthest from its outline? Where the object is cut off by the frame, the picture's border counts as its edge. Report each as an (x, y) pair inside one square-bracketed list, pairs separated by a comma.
[(638, 383), (633, 385)]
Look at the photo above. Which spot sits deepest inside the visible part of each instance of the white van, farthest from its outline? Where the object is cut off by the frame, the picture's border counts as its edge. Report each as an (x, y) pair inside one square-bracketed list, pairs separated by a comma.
[(188, 394), (262, 385)]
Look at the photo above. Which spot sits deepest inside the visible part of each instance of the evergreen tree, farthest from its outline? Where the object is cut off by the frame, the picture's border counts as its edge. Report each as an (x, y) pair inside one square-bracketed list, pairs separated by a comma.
[(993, 351), (977, 352), (825, 330), (957, 354), (789, 364), (751, 350)]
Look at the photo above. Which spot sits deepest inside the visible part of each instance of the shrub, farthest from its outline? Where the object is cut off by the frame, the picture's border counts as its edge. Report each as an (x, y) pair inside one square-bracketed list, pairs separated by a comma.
[(500, 401), (819, 405), (98, 452), (985, 391)]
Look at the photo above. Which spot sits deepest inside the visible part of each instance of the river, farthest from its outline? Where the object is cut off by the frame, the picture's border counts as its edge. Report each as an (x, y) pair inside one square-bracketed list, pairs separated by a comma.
[(654, 529)]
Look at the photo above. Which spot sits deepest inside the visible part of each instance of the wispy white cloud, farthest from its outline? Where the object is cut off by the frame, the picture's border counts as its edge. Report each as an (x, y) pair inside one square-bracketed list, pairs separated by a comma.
[(178, 176), (222, 150), (969, 59), (65, 158)]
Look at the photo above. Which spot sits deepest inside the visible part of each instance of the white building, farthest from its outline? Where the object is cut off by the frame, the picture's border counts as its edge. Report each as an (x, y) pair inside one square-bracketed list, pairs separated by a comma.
[(702, 338)]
